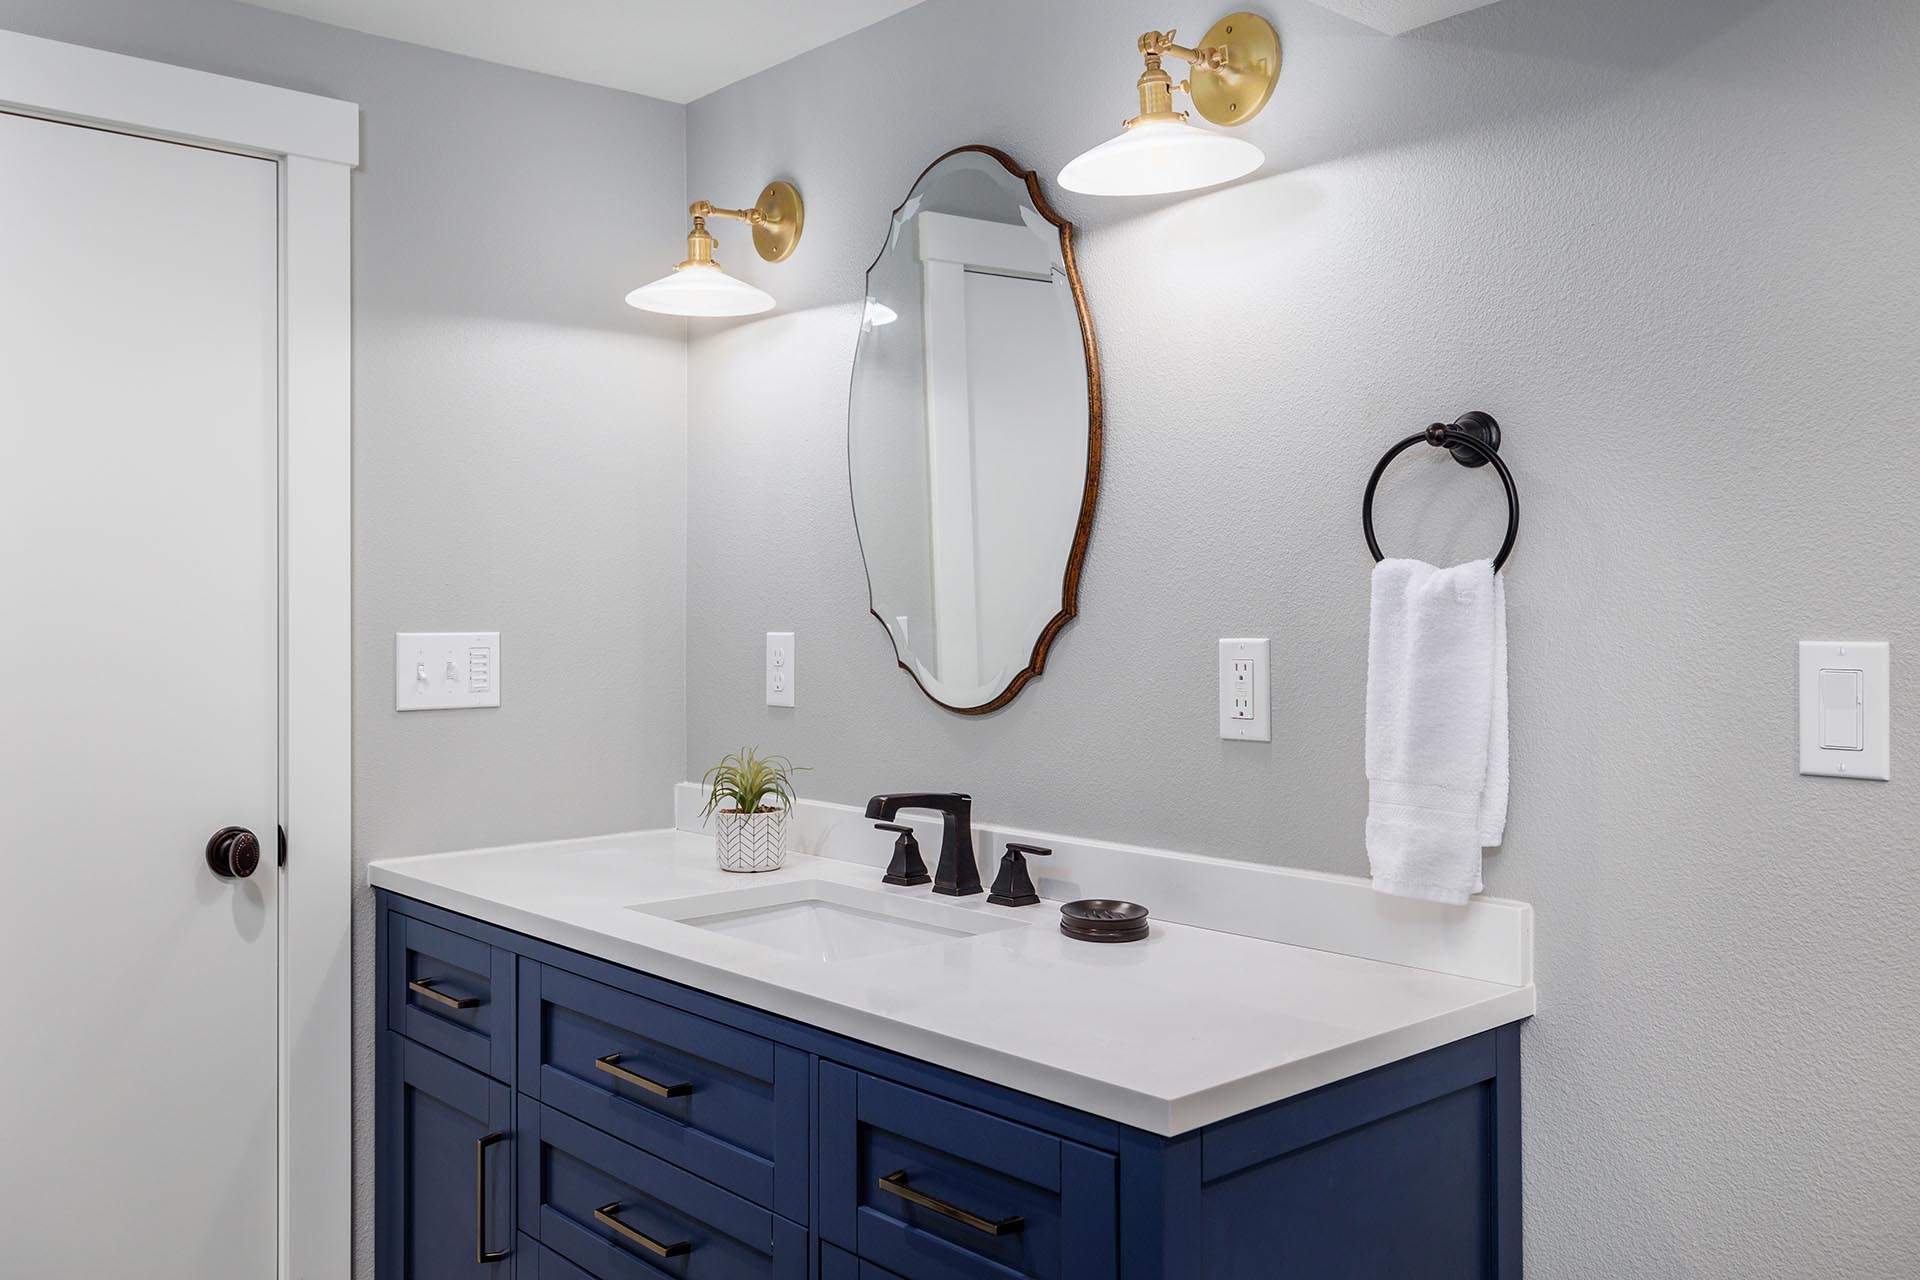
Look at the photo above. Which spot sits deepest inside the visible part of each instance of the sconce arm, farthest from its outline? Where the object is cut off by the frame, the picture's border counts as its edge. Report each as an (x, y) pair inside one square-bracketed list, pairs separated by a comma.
[(706, 209), (1160, 43)]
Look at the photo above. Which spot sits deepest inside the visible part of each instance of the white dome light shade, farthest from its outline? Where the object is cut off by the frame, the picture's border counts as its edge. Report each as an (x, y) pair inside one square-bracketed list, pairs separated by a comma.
[(700, 289), (1158, 156)]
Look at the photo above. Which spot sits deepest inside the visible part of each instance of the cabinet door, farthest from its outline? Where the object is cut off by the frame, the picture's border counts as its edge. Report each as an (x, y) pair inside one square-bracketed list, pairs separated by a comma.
[(445, 1168)]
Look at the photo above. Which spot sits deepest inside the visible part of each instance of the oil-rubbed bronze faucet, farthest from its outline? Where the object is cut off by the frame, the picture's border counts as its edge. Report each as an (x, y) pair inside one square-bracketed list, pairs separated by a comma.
[(958, 874)]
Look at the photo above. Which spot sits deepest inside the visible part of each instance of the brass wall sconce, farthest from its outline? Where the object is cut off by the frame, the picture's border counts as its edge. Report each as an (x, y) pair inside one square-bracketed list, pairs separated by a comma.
[(1231, 76), (698, 287)]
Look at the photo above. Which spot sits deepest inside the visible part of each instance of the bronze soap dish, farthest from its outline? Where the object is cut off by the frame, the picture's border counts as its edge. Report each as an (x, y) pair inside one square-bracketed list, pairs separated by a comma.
[(1103, 920)]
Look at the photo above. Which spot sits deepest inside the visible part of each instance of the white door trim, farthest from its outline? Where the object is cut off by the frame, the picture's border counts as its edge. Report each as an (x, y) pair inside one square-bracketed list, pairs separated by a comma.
[(316, 142)]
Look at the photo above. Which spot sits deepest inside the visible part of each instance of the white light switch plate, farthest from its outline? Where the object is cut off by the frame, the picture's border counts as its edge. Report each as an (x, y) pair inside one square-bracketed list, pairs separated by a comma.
[(1846, 702), (780, 668), (438, 670), (1246, 699)]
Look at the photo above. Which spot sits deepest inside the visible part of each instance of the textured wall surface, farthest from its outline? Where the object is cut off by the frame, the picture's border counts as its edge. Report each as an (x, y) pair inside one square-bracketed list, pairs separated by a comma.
[(1675, 248), (519, 433)]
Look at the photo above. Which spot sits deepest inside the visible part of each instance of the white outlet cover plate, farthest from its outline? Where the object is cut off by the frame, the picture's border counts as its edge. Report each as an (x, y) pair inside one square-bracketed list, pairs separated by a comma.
[(1260, 727), (1873, 758), (445, 670), (780, 668)]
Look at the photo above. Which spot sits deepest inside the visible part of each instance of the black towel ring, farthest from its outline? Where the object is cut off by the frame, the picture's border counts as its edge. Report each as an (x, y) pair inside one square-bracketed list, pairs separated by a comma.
[(1474, 440)]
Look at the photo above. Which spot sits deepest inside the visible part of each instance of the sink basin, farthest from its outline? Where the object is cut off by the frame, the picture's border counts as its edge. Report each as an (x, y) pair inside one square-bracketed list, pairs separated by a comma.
[(824, 921)]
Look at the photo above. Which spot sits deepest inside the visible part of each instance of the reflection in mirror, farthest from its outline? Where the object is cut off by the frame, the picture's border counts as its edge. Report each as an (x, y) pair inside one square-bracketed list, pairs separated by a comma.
[(973, 432)]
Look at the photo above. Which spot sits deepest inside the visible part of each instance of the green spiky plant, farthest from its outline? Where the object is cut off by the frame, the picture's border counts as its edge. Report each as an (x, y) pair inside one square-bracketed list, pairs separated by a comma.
[(744, 781)]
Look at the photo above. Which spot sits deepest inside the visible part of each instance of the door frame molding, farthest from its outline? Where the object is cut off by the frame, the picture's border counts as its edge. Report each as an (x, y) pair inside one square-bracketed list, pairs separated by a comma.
[(315, 143)]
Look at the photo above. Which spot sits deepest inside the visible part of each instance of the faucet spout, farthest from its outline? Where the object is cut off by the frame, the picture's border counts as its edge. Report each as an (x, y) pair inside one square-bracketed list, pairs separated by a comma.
[(958, 873)]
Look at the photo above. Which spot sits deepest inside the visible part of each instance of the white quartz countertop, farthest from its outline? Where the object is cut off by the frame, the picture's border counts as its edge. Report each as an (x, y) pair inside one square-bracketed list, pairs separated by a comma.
[(1167, 1035)]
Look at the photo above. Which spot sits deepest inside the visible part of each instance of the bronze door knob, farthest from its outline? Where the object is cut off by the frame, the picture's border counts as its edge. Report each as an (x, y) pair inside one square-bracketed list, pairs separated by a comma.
[(233, 853)]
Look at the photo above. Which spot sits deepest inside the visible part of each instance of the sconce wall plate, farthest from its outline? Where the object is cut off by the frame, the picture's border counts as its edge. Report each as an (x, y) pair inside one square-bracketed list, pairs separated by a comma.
[(777, 230), (1234, 92)]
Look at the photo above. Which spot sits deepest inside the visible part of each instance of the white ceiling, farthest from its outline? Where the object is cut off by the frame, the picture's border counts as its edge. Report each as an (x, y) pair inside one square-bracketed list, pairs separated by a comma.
[(676, 51)]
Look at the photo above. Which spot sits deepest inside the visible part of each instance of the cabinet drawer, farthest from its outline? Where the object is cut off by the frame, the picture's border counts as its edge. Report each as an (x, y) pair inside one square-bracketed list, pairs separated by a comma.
[(939, 1191), (620, 1214), (721, 1103), (451, 993)]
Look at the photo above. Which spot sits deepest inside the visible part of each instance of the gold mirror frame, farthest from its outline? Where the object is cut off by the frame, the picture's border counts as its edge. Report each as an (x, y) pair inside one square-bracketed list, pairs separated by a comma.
[(1083, 530)]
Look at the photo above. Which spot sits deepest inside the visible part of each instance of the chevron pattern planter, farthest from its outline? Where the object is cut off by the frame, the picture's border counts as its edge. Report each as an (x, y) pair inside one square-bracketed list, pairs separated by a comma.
[(751, 841)]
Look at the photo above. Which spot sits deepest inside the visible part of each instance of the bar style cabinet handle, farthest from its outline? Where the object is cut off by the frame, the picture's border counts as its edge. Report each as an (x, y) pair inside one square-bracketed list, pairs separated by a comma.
[(604, 1215), (424, 987), (611, 1065), (895, 1184), (481, 1253)]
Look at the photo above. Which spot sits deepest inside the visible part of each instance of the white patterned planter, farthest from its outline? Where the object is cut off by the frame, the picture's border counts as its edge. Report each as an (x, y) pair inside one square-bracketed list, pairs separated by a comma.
[(751, 841)]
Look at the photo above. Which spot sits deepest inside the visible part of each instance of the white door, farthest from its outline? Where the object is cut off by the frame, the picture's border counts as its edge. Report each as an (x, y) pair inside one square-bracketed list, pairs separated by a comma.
[(139, 691)]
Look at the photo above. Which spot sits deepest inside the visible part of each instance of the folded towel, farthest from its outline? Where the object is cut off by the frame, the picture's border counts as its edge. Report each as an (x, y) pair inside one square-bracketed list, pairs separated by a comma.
[(1436, 726)]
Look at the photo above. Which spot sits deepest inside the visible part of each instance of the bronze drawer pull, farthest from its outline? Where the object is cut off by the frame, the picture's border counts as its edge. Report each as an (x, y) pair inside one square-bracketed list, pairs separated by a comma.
[(604, 1216), (424, 987), (611, 1065), (480, 1202), (895, 1184)]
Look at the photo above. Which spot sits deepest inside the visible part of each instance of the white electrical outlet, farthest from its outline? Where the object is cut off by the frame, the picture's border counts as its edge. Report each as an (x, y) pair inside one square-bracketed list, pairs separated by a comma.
[(442, 670), (780, 666), (1246, 699)]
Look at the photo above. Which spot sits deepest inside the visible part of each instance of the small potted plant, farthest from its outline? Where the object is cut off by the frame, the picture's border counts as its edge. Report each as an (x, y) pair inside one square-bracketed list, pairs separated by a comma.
[(750, 795)]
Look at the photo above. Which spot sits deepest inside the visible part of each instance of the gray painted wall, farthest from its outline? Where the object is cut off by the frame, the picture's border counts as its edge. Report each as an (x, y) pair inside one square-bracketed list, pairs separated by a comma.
[(519, 433), (1673, 247)]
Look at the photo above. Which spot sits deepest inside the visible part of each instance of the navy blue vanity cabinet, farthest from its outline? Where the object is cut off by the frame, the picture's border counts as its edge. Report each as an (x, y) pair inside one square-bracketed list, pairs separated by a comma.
[(610, 1125)]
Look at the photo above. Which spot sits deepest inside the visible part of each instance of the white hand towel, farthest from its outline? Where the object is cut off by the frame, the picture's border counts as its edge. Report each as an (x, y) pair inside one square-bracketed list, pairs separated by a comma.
[(1436, 726)]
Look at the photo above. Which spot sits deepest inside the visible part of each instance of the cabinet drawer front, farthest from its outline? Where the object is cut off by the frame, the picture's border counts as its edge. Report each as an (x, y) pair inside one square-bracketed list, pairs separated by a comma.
[(939, 1191), (451, 993), (445, 1168), (619, 1213), (718, 1102)]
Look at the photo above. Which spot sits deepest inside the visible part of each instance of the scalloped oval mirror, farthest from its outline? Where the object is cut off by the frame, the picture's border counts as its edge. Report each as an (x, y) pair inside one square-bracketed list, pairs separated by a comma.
[(973, 430)]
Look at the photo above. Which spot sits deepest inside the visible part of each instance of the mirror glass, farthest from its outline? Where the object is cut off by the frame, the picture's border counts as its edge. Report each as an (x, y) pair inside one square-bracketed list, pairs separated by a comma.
[(973, 433)]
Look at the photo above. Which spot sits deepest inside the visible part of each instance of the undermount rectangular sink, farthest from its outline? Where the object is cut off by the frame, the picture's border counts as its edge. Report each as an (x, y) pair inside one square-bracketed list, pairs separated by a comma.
[(824, 921)]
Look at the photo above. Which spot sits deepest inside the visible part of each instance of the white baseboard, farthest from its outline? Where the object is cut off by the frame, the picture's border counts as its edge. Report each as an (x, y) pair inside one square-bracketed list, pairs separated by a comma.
[(1488, 938)]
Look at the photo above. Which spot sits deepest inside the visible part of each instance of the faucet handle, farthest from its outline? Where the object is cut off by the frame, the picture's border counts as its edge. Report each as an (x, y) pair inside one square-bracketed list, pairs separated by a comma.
[(1013, 887), (907, 866)]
